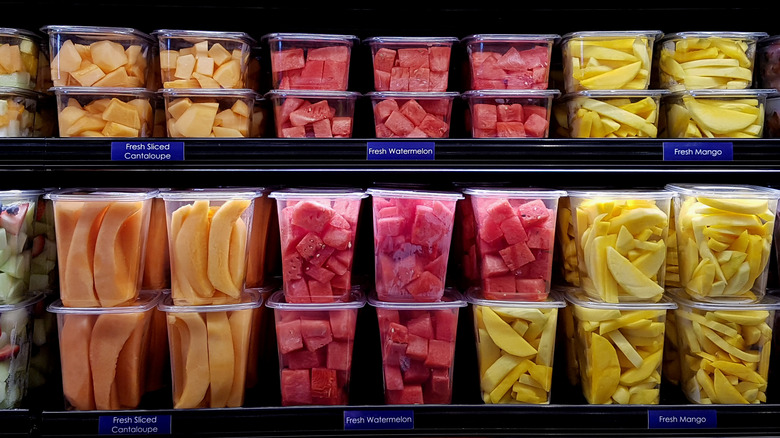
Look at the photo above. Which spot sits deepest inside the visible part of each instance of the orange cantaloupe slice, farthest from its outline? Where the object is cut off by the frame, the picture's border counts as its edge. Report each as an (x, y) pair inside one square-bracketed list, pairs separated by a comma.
[(122, 113), (90, 122), (157, 354), (228, 74), (192, 244), (181, 289), (177, 352), (113, 283), (68, 58), (11, 58), (109, 335), (69, 115), (178, 106), (132, 242), (168, 59), (108, 55), (205, 81), (75, 335), (78, 288), (196, 361), (97, 106), (88, 75), (204, 65), (197, 120), (241, 108), (237, 256), (185, 65), (219, 246), (221, 358), (240, 327), (66, 216), (144, 109), (117, 78), (219, 131), (131, 365), (113, 129), (219, 53), (181, 83), (156, 261)]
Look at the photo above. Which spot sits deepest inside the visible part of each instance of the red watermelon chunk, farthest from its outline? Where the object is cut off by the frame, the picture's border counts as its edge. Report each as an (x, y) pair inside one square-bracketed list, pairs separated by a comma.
[(513, 230), (438, 266), (316, 333), (384, 60), (517, 255), (301, 360), (289, 105), (385, 317), (309, 246), (490, 230), (533, 212), (541, 237), (336, 266), (440, 354), (532, 289), (311, 74), (289, 337), (337, 238), (510, 113), (322, 129), (434, 127), (536, 126), (321, 291), (477, 58), (409, 395), (446, 324), (394, 380), (493, 266), (399, 124), (381, 80), (384, 108), (440, 382), (498, 211), (328, 53), (399, 79), (389, 226), (483, 116), (439, 58), (383, 132), (483, 133), (417, 348), (391, 211), (427, 287), (307, 114), (419, 79), (530, 110), (427, 229), (521, 80), (339, 221), (416, 373), (489, 70), (349, 209), (311, 216), (393, 352), (296, 387), (342, 126), (339, 356), (512, 60), (295, 132), (296, 291), (398, 333), (502, 284), (439, 107), (413, 111), (510, 130), (324, 383), (342, 324), (413, 58), (285, 60), (421, 326), (293, 267)]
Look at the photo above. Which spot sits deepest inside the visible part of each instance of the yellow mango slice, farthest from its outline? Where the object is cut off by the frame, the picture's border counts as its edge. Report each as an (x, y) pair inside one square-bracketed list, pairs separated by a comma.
[(498, 371), (221, 358), (719, 121), (605, 368), (219, 247), (488, 351), (504, 336), (630, 278), (650, 364), (240, 327), (506, 383), (725, 392), (613, 79)]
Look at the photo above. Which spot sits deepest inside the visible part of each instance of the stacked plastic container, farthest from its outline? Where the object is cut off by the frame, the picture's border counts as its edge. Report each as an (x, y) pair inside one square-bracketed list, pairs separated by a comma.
[(768, 64), (20, 96)]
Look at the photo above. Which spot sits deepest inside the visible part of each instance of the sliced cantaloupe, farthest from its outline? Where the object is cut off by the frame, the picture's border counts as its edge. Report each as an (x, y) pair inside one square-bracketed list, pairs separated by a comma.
[(116, 78), (88, 75), (114, 285), (221, 358), (241, 108), (69, 115), (191, 251), (237, 256), (178, 352), (219, 246), (90, 122), (66, 216), (113, 129), (122, 113), (228, 74), (109, 335), (108, 55), (185, 65), (156, 260), (196, 362), (78, 288), (219, 53), (178, 106), (67, 59), (168, 59), (75, 335), (197, 120), (131, 365), (181, 289), (144, 109), (97, 106), (241, 323)]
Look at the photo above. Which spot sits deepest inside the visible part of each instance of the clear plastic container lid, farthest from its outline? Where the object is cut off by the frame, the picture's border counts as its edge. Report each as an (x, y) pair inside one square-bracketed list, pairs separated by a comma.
[(310, 37), (250, 299), (510, 94), (696, 34), (296, 193), (425, 95), (506, 192), (553, 301), (20, 194), (211, 194), (277, 301), (401, 40), (599, 34), (716, 93), (313, 94), (20, 92), (9, 31), (146, 300), (450, 300), (103, 91), (769, 40), (414, 194), (768, 302), (204, 34), (102, 194), (615, 94), (580, 299), (724, 190), (98, 31), (209, 92), (509, 38), (33, 298)]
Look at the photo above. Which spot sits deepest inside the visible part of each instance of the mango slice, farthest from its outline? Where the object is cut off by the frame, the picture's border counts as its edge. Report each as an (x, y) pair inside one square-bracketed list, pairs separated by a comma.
[(240, 328), (606, 377), (720, 62), (504, 336)]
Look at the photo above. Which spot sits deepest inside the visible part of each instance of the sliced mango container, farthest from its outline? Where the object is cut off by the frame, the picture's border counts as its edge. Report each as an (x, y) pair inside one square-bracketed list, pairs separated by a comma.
[(620, 349), (515, 346), (724, 239), (613, 113), (724, 349)]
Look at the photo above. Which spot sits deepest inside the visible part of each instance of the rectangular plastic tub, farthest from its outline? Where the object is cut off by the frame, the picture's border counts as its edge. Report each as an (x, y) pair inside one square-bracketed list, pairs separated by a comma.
[(515, 346), (305, 61), (724, 239), (315, 343), (707, 60), (608, 60), (510, 113), (411, 63), (209, 112), (772, 118), (715, 113), (768, 62), (208, 232), (725, 349), (621, 243), (204, 59), (209, 348), (86, 56), (413, 115), (18, 210), (105, 270), (620, 349), (418, 348), (613, 113), (515, 240), (313, 114), (104, 111), (19, 58), (317, 229), (103, 353), (412, 237), (511, 62)]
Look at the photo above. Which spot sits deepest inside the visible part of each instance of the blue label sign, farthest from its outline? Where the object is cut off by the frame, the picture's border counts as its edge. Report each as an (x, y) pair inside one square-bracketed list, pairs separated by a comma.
[(134, 425), (682, 419), (400, 150), (379, 420), (147, 151), (698, 151)]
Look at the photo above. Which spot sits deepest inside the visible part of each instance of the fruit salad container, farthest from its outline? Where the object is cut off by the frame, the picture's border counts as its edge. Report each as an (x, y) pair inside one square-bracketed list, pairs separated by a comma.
[(566, 245), (43, 256), (613, 113), (18, 109), (510, 113), (18, 210), (19, 57), (103, 353), (101, 241), (418, 348), (715, 113), (613, 60), (724, 240), (412, 237), (772, 118), (707, 60), (411, 63), (85, 56), (515, 239), (16, 341), (317, 229), (768, 61), (511, 62), (315, 343), (208, 233), (412, 114), (157, 262), (261, 118), (621, 243), (515, 346), (306, 61), (204, 59), (209, 112), (104, 112), (261, 240), (313, 114), (725, 349), (209, 348), (620, 349)]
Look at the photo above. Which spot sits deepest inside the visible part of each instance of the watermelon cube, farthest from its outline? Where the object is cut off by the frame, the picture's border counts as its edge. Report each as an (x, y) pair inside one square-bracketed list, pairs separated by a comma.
[(322, 129), (440, 354), (339, 356), (316, 333), (296, 387), (413, 111), (399, 79), (510, 113), (309, 246), (338, 238), (381, 80), (383, 109), (294, 132), (427, 228), (493, 265), (384, 60), (427, 287), (419, 79), (439, 58), (394, 380), (385, 317), (510, 130), (399, 124), (541, 237), (285, 60), (536, 126), (434, 127), (321, 291), (311, 215), (409, 395), (328, 53), (336, 266), (440, 382), (301, 359), (421, 326), (517, 255), (417, 348), (533, 212), (416, 372), (446, 323), (342, 323), (484, 116), (502, 284), (514, 231), (288, 336), (499, 211), (342, 126), (413, 58), (324, 383), (297, 291), (398, 333)]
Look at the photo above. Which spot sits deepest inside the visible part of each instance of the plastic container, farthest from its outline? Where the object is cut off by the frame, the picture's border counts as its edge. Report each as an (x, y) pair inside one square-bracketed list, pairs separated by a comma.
[(315, 343), (725, 349), (415, 64), (104, 111), (157, 261), (208, 112), (611, 60), (407, 114), (307, 61), (18, 108), (512, 62), (262, 240), (715, 113), (613, 113), (158, 364), (16, 324), (621, 243), (724, 239), (317, 114), (86, 56), (103, 354), (620, 349), (261, 118), (44, 351), (204, 59), (412, 237), (768, 61), (707, 60), (19, 58), (510, 113), (104, 270), (209, 348), (258, 337), (43, 265), (772, 118), (418, 348), (566, 246), (515, 239), (515, 346), (208, 234), (671, 364), (45, 120), (18, 210), (317, 229), (567, 339)]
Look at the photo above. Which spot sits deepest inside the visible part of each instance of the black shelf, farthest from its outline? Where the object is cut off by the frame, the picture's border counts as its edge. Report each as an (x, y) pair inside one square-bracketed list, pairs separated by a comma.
[(16, 422)]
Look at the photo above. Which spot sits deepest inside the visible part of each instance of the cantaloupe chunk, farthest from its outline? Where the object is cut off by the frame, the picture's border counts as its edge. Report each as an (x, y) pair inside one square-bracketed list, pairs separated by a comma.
[(88, 75), (122, 113), (196, 364), (219, 131), (204, 65), (181, 83), (109, 335), (205, 81), (67, 59), (108, 55), (75, 335), (241, 108), (168, 59), (66, 216), (219, 53), (116, 78), (219, 246), (69, 115), (185, 65), (192, 243), (97, 106), (240, 328), (237, 256), (221, 358), (90, 122), (197, 120), (78, 288), (114, 284), (178, 106), (228, 74), (11, 58), (131, 365)]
